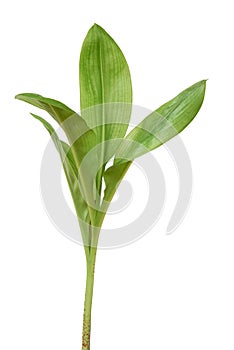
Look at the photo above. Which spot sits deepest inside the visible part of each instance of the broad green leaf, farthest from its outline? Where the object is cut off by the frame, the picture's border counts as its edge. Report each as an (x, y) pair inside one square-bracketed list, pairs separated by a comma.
[(160, 126), (71, 173), (80, 137), (163, 124), (105, 91)]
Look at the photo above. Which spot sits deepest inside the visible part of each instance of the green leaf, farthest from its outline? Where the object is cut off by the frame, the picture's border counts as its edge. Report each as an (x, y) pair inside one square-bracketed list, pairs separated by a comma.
[(56, 109), (163, 124), (80, 137), (160, 126), (73, 125), (71, 173), (105, 91), (65, 154)]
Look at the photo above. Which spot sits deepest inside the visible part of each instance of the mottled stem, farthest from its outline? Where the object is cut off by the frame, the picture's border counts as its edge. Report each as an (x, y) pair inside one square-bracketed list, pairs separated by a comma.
[(88, 299)]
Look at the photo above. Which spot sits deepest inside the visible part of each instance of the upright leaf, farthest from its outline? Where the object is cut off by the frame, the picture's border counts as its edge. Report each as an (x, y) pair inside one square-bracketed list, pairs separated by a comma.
[(105, 91)]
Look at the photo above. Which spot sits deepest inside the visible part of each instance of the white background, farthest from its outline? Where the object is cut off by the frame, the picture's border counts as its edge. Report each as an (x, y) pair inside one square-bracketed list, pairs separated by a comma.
[(162, 292)]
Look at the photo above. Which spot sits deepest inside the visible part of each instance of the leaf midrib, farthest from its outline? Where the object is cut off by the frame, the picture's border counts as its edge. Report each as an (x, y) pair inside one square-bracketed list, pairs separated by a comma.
[(102, 140), (102, 90)]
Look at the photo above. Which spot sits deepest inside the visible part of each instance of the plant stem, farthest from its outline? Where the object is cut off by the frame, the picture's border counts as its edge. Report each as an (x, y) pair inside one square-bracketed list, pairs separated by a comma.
[(88, 299)]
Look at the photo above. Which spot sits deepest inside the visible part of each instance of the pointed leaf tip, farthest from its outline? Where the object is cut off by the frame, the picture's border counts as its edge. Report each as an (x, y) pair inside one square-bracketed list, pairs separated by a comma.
[(163, 124), (97, 27)]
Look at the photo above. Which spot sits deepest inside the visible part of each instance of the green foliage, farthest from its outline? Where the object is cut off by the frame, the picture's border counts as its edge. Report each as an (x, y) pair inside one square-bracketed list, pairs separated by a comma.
[(97, 135)]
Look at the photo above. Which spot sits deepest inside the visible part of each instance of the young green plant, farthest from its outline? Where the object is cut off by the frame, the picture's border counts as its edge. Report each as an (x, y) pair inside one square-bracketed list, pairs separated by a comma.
[(97, 136)]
